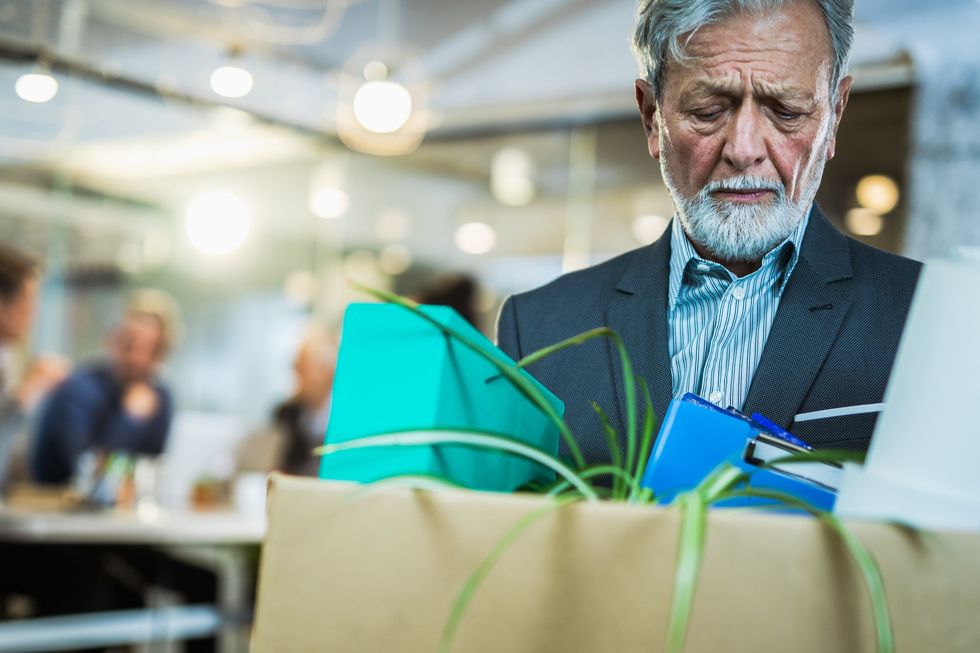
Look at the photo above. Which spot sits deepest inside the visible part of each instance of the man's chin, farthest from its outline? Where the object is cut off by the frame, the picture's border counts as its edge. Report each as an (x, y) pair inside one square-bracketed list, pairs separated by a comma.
[(740, 248), (759, 211), (736, 257)]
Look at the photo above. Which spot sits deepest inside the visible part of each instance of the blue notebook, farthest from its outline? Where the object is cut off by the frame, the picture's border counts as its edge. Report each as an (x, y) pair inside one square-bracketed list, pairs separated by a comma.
[(697, 436)]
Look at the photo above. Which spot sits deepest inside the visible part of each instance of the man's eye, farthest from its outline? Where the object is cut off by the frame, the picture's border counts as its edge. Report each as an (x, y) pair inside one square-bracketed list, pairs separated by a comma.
[(784, 114), (707, 115)]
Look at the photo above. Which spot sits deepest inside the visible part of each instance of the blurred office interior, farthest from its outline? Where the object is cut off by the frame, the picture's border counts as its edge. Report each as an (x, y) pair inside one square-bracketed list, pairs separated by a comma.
[(525, 158), (249, 156)]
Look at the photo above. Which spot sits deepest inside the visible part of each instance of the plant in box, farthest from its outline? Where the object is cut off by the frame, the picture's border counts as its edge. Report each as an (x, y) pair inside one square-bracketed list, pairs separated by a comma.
[(618, 481)]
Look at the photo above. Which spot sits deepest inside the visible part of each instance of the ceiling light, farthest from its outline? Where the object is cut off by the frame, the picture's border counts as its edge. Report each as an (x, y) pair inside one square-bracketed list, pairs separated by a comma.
[(375, 70), (878, 193), (231, 81), (217, 223), (36, 87), (512, 191), (475, 237), (510, 177), (648, 228), (382, 107), (864, 222), (329, 202), (394, 260)]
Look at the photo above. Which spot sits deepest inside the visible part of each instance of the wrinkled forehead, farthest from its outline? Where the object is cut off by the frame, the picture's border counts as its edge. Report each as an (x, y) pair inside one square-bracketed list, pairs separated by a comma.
[(783, 53)]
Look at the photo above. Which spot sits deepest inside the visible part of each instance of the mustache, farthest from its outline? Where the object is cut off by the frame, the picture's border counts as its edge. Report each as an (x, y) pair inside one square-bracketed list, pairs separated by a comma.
[(743, 183)]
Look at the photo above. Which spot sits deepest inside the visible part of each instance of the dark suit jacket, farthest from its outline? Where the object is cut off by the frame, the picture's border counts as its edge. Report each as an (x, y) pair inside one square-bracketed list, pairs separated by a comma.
[(832, 343)]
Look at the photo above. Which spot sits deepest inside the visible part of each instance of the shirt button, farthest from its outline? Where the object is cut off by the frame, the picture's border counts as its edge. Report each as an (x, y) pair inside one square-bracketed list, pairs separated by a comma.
[(703, 267), (716, 397), (738, 293)]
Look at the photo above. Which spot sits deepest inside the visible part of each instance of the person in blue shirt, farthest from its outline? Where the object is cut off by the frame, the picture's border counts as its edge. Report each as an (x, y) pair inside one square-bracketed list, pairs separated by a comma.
[(114, 405)]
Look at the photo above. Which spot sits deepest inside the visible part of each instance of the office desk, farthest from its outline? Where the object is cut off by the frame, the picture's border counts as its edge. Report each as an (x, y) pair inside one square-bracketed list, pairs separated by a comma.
[(218, 541), (146, 526)]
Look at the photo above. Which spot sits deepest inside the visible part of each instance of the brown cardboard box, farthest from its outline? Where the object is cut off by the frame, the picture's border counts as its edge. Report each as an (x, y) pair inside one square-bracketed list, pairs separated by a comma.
[(379, 573)]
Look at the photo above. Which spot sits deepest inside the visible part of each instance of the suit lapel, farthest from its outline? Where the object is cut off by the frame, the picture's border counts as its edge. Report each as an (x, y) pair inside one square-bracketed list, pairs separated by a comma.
[(638, 313), (814, 304)]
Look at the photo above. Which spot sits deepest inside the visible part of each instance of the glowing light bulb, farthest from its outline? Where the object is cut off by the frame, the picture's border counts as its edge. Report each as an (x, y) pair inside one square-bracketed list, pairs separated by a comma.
[(217, 223), (36, 87), (231, 81), (510, 177), (382, 107), (864, 222), (329, 202), (878, 193), (475, 237)]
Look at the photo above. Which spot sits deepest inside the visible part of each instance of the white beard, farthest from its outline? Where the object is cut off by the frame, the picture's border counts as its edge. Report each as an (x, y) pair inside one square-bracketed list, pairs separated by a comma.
[(738, 232)]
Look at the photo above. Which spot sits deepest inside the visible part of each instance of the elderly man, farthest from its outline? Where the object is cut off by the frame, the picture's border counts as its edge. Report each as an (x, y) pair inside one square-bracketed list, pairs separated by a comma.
[(751, 298)]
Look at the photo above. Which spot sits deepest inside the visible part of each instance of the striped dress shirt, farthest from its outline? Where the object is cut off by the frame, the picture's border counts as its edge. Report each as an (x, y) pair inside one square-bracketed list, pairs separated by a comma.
[(718, 323)]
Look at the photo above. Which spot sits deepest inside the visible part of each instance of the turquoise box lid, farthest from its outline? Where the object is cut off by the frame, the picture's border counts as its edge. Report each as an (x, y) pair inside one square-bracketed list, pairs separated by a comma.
[(398, 372)]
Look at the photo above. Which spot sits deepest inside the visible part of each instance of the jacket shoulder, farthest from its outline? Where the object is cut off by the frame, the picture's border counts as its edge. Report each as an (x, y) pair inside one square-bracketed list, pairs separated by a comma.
[(883, 267), (582, 285)]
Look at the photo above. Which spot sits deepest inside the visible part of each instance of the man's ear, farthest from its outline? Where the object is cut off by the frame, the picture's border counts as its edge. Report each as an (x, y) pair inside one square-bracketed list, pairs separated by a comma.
[(843, 93), (647, 104)]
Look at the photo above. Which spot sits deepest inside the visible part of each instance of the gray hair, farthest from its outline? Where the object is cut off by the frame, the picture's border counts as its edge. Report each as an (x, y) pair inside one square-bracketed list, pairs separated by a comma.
[(662, 25)]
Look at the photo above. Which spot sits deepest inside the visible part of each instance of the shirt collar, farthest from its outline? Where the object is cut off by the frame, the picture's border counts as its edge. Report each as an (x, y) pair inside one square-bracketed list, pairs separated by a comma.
[(682, 256)]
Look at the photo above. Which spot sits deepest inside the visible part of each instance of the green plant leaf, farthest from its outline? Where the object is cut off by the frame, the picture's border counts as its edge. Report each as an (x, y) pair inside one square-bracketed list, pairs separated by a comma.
[(862, 557), (484, 440), (486, 566), (820, 456), (646, 439), (629, 389), (428, 482), (690, 550), (722, 479), (615, 452), (690, 547), (544, 352), (646, 496), (511, 372), (591, 472)]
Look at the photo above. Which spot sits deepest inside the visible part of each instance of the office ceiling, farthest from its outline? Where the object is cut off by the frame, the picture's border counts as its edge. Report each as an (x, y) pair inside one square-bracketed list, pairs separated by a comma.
[(497, 72)]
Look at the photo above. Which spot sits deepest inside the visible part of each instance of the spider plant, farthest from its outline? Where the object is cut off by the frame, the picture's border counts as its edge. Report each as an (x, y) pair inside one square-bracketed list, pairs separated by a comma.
[(577, 482)]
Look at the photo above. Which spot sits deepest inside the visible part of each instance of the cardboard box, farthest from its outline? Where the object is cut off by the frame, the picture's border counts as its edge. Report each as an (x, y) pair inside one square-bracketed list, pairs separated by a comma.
[(378, 573), (398, 372)]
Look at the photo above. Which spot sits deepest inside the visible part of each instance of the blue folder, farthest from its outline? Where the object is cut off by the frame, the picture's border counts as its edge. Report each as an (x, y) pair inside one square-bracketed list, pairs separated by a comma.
[(696, 437)]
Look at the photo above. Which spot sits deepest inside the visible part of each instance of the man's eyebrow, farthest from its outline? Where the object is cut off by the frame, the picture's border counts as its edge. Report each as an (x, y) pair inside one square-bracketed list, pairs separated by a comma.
[(714, 87), (782, 91), (733, 88)]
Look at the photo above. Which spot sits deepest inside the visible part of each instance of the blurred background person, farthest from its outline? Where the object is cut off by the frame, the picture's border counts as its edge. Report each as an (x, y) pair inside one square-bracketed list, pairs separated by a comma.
[(20, 278), (113, 405), (302, 419), (456, 290)]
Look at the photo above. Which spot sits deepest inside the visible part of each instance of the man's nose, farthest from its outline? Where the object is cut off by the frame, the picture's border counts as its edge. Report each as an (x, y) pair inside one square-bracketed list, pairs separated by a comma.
[(745, 145)]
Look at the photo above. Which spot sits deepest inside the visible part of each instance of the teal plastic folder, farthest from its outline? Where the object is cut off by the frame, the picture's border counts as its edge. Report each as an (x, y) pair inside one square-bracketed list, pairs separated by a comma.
[(398, 372)]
